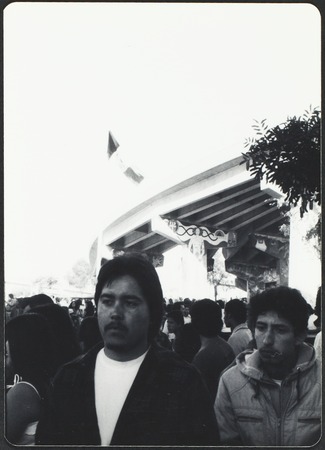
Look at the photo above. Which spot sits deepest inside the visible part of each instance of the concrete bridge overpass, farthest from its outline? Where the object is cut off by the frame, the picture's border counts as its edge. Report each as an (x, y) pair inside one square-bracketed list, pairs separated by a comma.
[(220, 207)]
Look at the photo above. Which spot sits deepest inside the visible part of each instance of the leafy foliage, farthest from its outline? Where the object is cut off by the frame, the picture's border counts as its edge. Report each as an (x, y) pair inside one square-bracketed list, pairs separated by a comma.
[(46, 282), (314, 235), (219, 275), (289, 156), (80, 274)]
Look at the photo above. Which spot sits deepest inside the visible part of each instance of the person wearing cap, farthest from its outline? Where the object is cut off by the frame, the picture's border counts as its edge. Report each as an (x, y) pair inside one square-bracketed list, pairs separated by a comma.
[(128, 390), (272, 395)]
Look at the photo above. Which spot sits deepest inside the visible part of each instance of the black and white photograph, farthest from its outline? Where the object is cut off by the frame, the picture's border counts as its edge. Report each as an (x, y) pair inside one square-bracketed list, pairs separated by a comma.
[(162, 225)]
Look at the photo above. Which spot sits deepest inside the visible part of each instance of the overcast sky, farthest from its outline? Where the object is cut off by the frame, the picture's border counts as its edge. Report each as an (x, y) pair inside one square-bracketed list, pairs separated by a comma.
[(177, 84)]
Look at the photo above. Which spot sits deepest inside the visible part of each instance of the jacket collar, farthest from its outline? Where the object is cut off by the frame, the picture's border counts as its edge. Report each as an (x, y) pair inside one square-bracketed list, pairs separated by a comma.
[(241, 326), (250, 364)]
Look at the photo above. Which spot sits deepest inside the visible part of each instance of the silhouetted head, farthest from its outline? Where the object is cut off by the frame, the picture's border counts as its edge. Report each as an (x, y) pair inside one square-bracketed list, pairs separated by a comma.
[(175, 320), (36, 300), (207, 318), (235, 312), (31, 349), (65, 339)]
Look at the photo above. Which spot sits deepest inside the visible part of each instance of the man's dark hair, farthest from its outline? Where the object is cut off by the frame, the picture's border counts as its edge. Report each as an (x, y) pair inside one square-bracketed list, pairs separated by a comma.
[(177, 315), (138, 267), (237, 309), (206, 317), (287, 302)]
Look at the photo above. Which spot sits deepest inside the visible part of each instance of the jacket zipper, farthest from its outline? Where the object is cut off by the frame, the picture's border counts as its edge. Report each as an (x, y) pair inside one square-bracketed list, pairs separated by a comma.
[(283, 413), (278, 431)]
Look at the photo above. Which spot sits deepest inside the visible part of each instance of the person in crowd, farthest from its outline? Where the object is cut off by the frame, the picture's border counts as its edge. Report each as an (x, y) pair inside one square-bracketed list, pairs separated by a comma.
[(128, 390), (11, 300), (89, 333), (185, 340), (215, 354), (188, 342), (29, 368), (75, 313), (89, 310), (186, 306), (9, 305), (18, 307), (235, 318), (272, 396), (170, 307), (65, 337), (175, 324)]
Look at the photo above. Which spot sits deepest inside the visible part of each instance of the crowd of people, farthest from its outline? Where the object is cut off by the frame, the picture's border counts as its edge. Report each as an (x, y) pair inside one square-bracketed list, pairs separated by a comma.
[(131, 368)]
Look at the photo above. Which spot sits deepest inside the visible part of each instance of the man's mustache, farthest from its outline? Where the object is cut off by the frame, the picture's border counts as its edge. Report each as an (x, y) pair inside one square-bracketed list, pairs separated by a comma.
[(270, 352), (115, 326)]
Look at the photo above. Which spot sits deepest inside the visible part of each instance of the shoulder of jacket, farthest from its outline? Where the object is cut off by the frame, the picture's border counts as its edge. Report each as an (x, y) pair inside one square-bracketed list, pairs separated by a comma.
[(170, 363), (233, 377), (69, 371)]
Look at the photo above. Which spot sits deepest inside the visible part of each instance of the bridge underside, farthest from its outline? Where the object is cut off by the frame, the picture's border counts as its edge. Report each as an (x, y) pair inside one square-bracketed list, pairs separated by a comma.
[(224, 201)]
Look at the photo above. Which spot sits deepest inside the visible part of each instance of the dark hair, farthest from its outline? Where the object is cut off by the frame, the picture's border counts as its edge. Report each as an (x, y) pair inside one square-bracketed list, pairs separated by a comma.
[(138, 267), (65, 339), (31, 349), (188, 343), (177, 315), (237, 309), (38, 300), (89, 309), (206, 317), (177, 306), (287, 302), (89, 334)]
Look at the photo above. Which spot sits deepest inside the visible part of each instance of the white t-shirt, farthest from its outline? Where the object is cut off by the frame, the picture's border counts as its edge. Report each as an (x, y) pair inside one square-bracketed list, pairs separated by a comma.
[(113, 380)]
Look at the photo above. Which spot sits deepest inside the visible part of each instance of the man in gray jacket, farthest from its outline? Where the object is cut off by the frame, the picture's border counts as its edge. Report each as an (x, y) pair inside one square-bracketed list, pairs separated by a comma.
[(272, 396)]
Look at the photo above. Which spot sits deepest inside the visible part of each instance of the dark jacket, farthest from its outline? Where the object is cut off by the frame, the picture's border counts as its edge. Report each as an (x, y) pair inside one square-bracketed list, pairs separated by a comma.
[(211, 360), (168, 404)]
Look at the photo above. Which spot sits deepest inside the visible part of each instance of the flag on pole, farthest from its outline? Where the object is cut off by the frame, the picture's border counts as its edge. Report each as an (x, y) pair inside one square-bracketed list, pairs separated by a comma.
[(135, 176), (128, 171), (112, 144)]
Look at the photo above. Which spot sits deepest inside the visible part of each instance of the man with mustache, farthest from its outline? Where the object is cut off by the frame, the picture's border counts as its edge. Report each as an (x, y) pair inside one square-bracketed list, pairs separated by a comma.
[(272, 396), (128, 390)]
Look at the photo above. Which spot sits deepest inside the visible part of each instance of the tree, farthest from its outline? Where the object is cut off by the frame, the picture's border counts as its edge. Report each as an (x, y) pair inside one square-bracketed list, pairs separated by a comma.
[(219, 276), (46, 282), (289, 156), (314, 236), (80, 274)]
